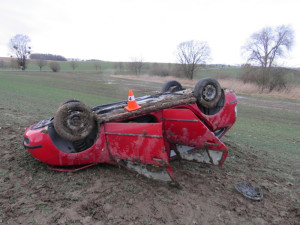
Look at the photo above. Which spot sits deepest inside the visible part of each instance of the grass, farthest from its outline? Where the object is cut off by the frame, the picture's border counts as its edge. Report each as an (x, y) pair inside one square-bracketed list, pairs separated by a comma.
[(3, 173), (30, 92), (219, 72), (65, 66), (248, 89), (271, 134), (44, 208), (42, 92), (216, 71)]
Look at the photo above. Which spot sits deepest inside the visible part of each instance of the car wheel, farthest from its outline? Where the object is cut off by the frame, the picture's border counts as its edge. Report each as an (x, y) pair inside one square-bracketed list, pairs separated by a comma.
[(74, 120), (172, 86), (208, 92)]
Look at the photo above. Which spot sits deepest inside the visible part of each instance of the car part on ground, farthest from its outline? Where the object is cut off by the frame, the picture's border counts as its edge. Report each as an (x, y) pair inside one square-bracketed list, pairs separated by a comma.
[(249, 191), (168, 126)]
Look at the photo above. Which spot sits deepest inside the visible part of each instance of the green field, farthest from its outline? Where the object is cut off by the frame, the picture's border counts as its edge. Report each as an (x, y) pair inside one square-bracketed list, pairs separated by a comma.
[(273, 131), (45, 90), (108, 68), (263, 147), (29, 92), (112, 67), (82, 65)]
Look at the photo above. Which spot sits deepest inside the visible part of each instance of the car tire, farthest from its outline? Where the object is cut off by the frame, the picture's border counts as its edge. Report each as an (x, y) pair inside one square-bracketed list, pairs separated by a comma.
[(70, 100), (172, 86), (208, 92), (74, 121)]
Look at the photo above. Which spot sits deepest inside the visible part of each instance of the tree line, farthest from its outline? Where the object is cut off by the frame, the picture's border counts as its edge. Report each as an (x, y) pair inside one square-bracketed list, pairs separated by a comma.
[(262, 50), (38, 56)]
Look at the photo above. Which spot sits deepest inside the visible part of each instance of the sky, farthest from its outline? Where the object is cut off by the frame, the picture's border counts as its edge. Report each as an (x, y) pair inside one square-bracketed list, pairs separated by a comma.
[(121, 30)]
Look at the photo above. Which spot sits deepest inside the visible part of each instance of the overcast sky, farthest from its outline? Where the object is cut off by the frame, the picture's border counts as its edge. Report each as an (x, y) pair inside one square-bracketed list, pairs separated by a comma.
[(119, 30)]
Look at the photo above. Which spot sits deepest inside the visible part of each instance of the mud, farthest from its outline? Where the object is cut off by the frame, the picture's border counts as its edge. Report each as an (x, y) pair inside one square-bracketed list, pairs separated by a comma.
[(30, 193)]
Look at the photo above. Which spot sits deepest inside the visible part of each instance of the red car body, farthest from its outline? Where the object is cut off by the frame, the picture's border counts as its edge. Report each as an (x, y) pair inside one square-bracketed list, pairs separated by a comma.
[(154, 139)]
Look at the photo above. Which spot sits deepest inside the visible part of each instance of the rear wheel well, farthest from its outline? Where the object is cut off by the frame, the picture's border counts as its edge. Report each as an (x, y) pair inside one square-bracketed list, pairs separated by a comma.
[(73, 146)]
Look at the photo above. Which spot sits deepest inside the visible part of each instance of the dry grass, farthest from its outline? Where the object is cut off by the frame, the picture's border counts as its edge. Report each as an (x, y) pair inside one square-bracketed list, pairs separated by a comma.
[(292, 92)]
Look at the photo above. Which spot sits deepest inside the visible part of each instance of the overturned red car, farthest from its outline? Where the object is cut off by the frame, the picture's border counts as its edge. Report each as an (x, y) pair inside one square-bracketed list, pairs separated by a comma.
[(175, 123)]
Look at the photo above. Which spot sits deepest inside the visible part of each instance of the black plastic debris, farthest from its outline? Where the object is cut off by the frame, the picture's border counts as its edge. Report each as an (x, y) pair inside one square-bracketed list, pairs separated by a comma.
[(249, 191)]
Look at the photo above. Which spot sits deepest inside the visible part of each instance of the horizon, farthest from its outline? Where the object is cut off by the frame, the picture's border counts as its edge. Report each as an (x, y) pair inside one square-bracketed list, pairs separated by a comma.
[(119, 31)]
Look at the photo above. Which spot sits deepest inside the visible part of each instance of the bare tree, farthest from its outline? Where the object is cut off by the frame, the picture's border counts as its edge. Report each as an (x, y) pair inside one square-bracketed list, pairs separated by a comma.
[(159, 70), (14, 63), (2, 64), (40, 63), (265, 46), (119, 66), (136, 65), (74, 64), (19, 46), (54, 66), (190, 55), (97, 65)]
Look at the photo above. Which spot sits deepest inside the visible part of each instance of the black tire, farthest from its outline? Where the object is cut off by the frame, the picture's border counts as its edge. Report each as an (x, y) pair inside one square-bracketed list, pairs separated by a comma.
[(70, 100), (172, 86), (208, 92), (74, 121)]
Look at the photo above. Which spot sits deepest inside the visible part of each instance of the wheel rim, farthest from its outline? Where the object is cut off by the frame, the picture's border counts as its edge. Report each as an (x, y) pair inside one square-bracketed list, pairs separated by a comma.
[(209, 92), (77, 121)]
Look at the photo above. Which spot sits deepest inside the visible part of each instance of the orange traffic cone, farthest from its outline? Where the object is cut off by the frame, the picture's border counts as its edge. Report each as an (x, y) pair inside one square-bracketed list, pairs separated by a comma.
[(132, 105)]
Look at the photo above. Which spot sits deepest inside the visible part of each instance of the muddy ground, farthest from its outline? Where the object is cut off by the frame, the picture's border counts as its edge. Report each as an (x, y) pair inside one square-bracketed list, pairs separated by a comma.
[(105, 194)]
